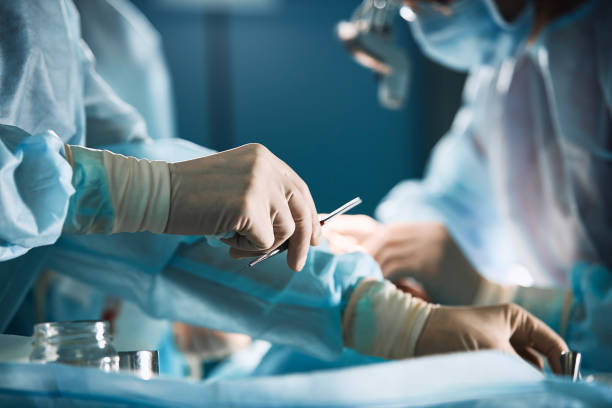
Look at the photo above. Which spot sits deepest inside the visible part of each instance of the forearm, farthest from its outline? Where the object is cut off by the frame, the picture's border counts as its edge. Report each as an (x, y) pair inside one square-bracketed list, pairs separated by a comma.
[(268, 301), (382, 321), (115, 193)]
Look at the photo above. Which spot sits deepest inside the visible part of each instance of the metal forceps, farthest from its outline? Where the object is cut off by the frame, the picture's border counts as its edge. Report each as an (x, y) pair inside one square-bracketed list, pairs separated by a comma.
[(346, 207)]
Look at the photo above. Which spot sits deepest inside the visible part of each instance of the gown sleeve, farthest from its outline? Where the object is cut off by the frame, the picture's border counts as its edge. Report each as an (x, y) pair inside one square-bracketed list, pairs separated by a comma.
[(35, 189), (39, 106)]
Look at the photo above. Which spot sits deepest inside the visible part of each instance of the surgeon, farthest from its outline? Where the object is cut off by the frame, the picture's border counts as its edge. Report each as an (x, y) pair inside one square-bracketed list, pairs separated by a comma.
[(54, 102), (83, 201), (519, 187)]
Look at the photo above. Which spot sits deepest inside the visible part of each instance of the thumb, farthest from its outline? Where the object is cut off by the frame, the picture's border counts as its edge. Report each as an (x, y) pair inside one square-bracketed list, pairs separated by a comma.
[(529, 331)]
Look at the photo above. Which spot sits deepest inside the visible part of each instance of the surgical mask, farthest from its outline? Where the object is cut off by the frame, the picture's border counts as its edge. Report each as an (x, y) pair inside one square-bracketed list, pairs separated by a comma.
[(469, 33)]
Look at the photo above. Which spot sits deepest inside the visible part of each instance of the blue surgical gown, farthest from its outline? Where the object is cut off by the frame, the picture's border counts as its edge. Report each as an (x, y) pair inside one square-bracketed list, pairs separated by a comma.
[(52, 94), (524, 176), (129, 57)]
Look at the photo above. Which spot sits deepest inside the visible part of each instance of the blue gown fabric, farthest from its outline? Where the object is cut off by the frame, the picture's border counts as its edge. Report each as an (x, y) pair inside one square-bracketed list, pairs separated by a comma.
[(52, 94), (522, 178), (481, 379)]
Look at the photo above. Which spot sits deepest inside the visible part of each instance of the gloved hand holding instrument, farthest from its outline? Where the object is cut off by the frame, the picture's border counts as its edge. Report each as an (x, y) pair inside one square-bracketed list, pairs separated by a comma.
[(245, 193)]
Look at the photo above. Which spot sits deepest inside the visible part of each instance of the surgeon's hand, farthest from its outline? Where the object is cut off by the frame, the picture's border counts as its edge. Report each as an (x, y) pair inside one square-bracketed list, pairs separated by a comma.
[(247, 191), (507, 327), (382, 321), (423, 251), (350, 233)]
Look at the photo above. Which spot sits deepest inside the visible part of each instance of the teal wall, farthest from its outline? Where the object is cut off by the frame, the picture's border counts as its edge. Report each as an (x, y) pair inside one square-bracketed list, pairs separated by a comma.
[(281, 78)]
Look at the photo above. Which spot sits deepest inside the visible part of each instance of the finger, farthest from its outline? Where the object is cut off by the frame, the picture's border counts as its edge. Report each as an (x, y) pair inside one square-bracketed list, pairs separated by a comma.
[(340, 244), (236, 253), (394, 258), (531, 356), (244, 242), (400, 264), (396, 268), (508, 349), (529, 331), (283, 227), (254, 232), (263, 231), (283, 223), (359, 226), (317, 233), (413, 288), (375, 243), (299, 243), (315, 228), (303, 189)]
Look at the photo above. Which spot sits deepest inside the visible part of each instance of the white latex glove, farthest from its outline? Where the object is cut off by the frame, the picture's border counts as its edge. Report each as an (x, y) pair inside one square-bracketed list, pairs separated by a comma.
[(428, 253), (382, 321), (423, 251), (507, 327), (247, 192)]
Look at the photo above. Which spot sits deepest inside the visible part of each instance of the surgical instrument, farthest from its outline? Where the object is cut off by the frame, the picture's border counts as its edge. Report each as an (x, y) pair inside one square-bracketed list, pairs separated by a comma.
[(570, 364)]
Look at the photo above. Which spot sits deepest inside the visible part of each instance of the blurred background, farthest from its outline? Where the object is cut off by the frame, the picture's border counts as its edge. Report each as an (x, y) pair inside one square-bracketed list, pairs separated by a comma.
[(273, 72)]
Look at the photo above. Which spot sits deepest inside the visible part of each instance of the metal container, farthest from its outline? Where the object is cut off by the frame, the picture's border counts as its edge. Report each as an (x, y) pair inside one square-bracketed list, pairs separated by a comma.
[(85, 343), (144, 363)]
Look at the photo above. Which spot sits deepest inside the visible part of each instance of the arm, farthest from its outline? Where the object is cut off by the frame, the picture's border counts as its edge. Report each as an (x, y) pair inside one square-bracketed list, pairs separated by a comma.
[(36, 186)]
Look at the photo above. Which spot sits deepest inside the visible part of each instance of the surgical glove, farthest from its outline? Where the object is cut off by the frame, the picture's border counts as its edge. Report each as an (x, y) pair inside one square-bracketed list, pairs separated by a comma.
[(246, 194), (507, 327), (250, 192), (208, 344), (428, 253), (348, 233), (382, 321), (115, 193), (423, 251)]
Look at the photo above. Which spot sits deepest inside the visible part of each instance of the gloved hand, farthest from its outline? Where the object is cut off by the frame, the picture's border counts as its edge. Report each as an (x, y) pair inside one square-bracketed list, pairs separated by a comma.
[(208, 344), (250, 191), (423, 251), (247, 192), (507, 327), (428, 253), (382, 321)]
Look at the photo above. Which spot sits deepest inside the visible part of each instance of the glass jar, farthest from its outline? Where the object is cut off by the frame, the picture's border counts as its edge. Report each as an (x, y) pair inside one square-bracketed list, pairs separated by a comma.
[(84, 343)]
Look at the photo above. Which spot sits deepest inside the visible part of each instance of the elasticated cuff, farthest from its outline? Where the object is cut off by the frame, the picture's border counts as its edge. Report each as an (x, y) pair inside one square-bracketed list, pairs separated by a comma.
[(140, 192), (382, 321)]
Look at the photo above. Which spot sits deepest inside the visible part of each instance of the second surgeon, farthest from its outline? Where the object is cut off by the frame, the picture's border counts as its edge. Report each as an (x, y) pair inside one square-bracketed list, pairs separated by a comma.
[(58, 188)]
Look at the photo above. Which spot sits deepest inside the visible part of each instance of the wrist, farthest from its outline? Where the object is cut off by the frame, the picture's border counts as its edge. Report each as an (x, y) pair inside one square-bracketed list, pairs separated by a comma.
[(140, 193), (115, 193), (382, 321)]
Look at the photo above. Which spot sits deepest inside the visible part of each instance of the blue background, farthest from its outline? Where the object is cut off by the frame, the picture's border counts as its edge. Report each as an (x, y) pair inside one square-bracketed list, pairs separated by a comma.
[(279, 76)]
